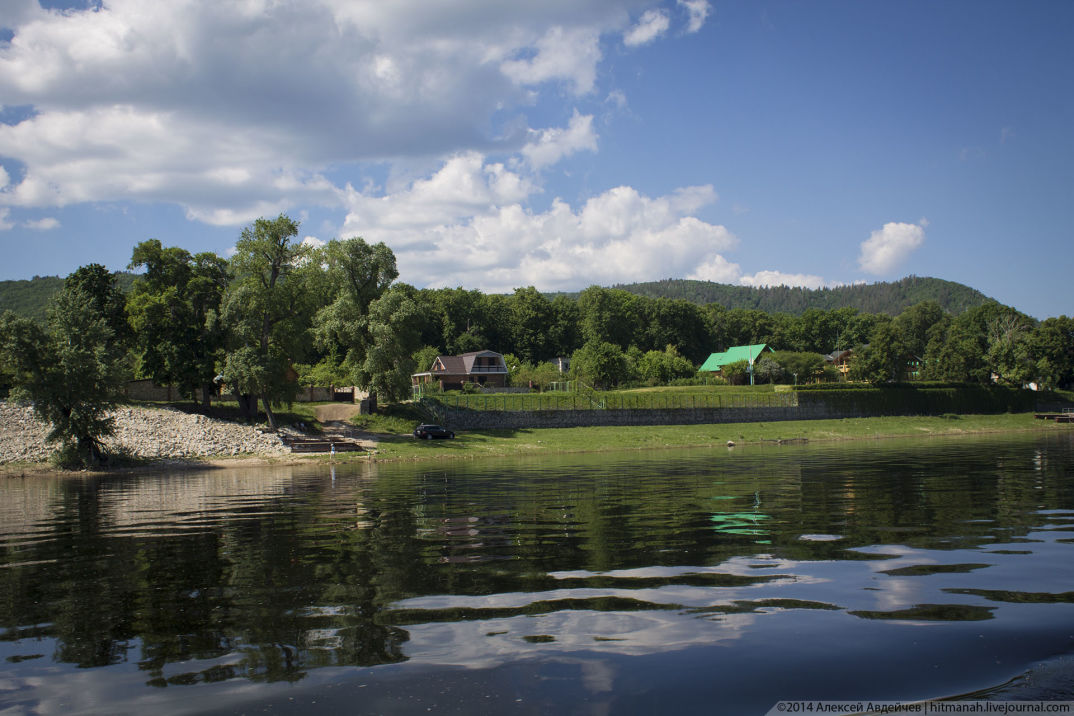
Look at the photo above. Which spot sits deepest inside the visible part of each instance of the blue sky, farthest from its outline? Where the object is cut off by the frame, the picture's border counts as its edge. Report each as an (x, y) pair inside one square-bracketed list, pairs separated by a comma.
[(558, 144)]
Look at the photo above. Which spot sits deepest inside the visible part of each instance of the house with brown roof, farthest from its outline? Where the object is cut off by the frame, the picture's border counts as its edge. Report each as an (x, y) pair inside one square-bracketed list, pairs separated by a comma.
[(450, 372), (841, 360)]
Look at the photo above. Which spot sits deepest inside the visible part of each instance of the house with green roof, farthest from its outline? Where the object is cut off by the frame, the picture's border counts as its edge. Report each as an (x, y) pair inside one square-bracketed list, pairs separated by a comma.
[(750, 354)]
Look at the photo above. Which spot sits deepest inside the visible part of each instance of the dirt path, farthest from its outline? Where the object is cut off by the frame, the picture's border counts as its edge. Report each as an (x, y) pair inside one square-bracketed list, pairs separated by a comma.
[(333, 418), (333, 412)]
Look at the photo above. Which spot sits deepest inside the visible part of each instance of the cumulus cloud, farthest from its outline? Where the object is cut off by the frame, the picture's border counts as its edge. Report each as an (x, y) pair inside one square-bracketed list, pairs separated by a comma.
[(698, 11), (562, 54), (651, 25), (231, 108), (778, 278), (887, 248), (45, 224), (239, 110), (716, 269), (551, 145), (467, 224)]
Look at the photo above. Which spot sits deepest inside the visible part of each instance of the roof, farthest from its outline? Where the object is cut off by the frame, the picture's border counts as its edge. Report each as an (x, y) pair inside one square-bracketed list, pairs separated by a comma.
[(716, 361), (836, 356), (464, 364)]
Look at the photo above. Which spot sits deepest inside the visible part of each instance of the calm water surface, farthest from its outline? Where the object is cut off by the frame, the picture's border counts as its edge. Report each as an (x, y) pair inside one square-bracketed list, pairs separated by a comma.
[(711, 581)]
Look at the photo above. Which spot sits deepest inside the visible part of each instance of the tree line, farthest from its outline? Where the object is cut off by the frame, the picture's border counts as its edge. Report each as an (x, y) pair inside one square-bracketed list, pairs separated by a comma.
[(279, 314)]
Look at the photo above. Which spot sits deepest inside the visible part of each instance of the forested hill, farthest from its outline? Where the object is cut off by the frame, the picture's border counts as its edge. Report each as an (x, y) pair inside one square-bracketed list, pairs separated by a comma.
[(883, 297), (29, 298)]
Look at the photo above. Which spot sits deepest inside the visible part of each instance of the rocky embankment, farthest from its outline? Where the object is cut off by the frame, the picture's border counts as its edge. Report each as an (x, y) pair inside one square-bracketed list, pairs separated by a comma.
[(152, 433)]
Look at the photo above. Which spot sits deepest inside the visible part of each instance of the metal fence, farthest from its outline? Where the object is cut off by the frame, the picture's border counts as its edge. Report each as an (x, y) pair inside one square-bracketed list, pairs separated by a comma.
[(608, 401)]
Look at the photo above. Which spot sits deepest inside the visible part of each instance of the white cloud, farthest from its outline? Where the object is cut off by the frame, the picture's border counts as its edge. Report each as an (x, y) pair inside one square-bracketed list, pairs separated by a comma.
[(45, 224), (228, 108), (778, 278), (467, 225), (887, 248), (698, 11), (239, 110), (653, 24), (616, 99), (551, 145), (562, 54), (716, 269)]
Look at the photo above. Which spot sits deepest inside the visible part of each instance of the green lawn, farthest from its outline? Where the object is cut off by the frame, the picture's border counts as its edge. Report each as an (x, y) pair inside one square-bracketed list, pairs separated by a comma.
[(394, 425), (479, 443)]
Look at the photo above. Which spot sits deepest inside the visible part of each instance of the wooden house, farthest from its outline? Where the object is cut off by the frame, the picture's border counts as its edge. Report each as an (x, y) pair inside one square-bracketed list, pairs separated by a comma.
[(451, 372)]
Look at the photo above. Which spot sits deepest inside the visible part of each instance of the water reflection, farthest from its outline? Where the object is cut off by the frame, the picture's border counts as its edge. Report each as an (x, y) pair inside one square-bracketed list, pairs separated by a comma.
[(621, 564)]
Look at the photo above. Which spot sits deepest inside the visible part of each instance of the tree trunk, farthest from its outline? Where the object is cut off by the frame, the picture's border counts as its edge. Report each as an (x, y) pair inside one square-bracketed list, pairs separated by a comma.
[(248, 406), (269, 414), (89, 451), (206, 395)]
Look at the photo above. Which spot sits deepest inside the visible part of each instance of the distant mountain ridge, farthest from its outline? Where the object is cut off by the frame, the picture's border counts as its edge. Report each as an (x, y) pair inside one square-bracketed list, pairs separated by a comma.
[(890, 297), (29, 298)]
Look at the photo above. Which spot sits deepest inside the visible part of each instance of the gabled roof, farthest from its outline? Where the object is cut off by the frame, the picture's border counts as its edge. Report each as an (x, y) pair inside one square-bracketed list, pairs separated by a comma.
[(468, 359), (452, 365), (716, 361), (463, 364)]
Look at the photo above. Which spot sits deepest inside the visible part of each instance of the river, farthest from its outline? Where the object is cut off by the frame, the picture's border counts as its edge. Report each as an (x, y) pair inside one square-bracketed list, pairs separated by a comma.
[(696, 581)]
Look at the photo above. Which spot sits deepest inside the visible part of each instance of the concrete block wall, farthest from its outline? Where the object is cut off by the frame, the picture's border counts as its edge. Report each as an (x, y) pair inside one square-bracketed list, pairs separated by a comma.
[(511, 420)]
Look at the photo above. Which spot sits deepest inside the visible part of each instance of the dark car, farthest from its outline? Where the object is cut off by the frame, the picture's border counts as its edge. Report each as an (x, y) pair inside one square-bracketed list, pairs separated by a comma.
[(428, 432)]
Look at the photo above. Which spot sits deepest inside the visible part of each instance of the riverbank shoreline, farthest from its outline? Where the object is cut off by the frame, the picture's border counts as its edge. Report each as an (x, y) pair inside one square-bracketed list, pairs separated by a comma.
[(554, 441)]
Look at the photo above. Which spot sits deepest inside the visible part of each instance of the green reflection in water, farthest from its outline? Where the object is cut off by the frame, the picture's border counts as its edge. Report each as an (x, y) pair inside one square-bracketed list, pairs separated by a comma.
[(1000, 595), (920, 570), (265, 575), (931, 612)]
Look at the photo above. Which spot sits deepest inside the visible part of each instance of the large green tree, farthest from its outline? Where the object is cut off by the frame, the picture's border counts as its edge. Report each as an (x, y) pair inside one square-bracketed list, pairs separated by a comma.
[(393, 331), (373, 327), (1009, 349), (531, 318), (681, 324), (267, 312), (174, 309), (1052, 345), (565, 333), (662, 367), (884, 359), (915, 323), (600, 363), (71, 372), (609, 315), (101, 289)]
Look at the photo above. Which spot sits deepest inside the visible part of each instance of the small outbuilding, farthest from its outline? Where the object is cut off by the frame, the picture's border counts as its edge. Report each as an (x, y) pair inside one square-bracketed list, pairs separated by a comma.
[(750, 354)]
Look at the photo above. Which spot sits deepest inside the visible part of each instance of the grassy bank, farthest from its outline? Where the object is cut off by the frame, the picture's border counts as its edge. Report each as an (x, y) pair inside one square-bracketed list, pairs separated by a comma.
[(474, 444), (392, 431)]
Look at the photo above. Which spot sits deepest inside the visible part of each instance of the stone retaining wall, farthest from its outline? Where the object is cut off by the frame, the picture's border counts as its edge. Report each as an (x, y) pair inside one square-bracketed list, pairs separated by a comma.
[(513, 420)]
